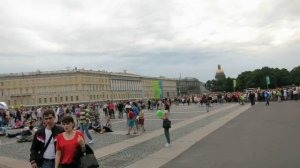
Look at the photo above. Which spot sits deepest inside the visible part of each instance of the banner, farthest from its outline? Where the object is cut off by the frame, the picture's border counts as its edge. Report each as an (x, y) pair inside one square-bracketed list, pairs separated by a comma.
[(156, 89), (234, 83), (268, 80)]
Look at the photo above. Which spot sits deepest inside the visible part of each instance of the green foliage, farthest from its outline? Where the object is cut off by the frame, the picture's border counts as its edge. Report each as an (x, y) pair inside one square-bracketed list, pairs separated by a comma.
[(257, 78), (295, 76)]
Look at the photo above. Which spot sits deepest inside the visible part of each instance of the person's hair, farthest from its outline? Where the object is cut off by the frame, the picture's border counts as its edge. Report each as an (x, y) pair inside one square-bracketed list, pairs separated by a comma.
[(49, 112), (67, 120)]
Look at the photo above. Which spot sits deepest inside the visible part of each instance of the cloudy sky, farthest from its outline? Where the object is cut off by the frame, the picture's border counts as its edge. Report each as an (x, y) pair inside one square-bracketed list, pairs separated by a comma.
[(150, 37)]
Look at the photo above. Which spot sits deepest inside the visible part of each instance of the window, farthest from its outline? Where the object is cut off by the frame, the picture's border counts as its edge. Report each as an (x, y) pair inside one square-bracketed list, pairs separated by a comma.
[(40, 100), (66, 98), (71, 98), (45, 100), (55, 99), (50, 99), (77, 98)]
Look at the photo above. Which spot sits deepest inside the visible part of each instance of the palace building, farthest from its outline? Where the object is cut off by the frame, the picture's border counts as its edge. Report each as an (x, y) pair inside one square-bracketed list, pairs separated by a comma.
[(79, 85)]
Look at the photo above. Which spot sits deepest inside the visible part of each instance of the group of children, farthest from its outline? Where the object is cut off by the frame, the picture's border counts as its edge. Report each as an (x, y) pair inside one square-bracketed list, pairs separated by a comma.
[(135, 116)]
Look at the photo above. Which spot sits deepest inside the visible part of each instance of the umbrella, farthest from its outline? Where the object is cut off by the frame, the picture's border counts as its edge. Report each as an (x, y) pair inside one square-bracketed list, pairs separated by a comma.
[(3, 106)]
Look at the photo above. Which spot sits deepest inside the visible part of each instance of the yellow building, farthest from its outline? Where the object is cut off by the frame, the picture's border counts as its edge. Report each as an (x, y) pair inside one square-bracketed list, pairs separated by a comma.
[(78, 86)]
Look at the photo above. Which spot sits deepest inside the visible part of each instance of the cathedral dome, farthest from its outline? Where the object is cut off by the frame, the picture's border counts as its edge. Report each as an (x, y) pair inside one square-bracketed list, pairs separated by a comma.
[(220, 73)]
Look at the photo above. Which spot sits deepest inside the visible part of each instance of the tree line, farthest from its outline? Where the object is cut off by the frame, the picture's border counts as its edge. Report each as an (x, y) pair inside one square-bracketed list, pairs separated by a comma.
[(257, 78)]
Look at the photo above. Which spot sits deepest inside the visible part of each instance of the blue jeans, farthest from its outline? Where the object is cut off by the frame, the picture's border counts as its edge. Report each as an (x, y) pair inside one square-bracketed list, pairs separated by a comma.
[(48, 164), (85, 128)]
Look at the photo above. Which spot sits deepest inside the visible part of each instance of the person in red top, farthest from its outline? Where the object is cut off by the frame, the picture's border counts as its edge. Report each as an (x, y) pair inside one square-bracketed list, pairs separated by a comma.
[(130, 122), (67, 143)]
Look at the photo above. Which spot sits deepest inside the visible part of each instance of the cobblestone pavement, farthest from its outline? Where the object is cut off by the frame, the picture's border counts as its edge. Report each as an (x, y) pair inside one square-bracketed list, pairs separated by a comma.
[(137, 152), (9, 147), (3, 166)]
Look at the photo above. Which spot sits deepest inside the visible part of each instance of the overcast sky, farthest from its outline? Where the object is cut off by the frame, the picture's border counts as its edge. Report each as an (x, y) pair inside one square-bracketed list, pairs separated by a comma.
[(150, 37)]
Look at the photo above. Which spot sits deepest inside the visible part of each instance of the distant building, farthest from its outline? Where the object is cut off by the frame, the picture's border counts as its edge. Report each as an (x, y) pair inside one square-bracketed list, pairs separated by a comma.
[(189, 86), (79, 85), (220, 73)]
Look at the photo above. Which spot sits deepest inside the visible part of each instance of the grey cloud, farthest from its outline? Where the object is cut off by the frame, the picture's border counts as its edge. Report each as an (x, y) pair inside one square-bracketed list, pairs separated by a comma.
[(140, 36)]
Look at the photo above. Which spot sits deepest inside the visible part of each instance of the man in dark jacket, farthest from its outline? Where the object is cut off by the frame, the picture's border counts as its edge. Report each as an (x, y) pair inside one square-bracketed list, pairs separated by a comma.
[(252, 98), (40, 157)]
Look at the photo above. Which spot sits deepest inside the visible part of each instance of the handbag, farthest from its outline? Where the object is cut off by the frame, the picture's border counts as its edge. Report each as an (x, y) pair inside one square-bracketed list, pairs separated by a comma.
[(166, 123), (85, 159), (88, 161)]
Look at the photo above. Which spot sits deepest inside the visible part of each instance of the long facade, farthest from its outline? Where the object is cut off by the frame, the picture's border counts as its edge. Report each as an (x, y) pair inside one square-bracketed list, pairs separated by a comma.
[(78, 86)]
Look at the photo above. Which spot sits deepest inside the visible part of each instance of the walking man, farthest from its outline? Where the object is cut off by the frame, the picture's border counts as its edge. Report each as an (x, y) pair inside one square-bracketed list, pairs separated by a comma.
[(42, 151)]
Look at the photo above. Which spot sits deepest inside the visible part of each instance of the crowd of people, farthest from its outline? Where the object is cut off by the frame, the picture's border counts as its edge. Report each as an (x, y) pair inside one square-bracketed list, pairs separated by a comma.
[(57, 131)]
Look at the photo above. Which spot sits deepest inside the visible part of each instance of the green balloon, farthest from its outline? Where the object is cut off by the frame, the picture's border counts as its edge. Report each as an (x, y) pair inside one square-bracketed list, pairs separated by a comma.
[(160, 113)]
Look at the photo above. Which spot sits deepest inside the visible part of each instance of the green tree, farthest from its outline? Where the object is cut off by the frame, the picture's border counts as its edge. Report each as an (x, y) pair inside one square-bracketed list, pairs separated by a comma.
[(295, 75), (257, 78)]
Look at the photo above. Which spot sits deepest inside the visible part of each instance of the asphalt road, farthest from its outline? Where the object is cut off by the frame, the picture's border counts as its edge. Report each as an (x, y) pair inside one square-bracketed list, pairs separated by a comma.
[(262, 137)]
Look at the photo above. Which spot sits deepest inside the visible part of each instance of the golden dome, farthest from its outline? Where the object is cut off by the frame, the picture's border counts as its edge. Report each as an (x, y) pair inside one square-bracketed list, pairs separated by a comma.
[(219, 71)]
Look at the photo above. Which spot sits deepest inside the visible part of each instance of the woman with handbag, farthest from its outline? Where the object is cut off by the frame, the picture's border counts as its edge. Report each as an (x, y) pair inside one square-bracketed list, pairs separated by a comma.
[(166, 126), (67, 143)]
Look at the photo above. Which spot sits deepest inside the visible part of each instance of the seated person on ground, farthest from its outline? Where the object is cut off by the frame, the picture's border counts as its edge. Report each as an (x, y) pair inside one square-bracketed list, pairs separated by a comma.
[(3, 131), (104, 128), (18, 124), (26, 135)]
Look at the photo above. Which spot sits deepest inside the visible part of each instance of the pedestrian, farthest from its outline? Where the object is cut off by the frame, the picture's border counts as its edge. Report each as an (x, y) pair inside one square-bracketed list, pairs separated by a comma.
[(142, 119), (131, 120), (267, 98), (67, 144), (120, 109), (207, 102), (166, 126), (111, 110), (136, 111), (85, 124), (42, 151), (252, 98), (167, 105)]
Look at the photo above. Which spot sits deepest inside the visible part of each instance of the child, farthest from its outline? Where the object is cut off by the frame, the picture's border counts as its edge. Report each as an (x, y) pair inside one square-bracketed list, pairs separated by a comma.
[(131, 122), (142, 119)]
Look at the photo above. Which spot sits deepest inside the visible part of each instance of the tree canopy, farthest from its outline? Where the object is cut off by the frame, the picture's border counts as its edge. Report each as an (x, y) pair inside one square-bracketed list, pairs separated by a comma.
[(257, 78)]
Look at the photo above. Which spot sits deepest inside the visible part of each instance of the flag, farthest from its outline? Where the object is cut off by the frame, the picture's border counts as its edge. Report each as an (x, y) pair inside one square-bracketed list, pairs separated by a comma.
[(234, 83), (268, 80)]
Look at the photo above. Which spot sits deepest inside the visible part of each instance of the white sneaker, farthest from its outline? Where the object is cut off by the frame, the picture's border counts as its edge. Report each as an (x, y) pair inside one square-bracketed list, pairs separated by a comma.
[(167, 145), (91, 142)]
